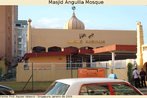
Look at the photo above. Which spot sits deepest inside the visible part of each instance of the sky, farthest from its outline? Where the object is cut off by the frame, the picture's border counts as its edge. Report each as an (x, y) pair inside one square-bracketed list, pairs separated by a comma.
[(93, 16)]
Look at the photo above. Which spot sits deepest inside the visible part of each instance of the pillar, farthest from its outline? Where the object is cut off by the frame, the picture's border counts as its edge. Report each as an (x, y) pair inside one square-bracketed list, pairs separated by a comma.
[(140, 42), (91, 60), (113, 60), (29, 41)]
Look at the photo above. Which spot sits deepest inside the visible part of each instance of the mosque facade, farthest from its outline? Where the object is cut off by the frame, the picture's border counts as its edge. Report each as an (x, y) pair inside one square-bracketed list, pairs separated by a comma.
[(74, 46)]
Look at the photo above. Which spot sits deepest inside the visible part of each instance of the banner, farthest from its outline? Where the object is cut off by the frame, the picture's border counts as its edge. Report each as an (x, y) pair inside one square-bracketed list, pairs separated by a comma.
[(73, 2)]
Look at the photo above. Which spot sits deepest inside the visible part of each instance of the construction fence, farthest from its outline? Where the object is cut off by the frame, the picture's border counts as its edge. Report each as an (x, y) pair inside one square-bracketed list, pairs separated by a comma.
[(54, 71)]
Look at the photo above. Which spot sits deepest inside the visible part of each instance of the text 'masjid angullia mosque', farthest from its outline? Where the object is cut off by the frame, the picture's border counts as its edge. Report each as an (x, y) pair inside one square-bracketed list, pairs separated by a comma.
[(75, 44)]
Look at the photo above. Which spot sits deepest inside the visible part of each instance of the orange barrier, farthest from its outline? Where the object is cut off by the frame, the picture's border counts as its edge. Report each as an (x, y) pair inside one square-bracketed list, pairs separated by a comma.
[(91, 72)]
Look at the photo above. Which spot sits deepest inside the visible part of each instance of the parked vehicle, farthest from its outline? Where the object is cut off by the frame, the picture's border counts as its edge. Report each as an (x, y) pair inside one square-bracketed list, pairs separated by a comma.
[(4, 90), (92, 86)]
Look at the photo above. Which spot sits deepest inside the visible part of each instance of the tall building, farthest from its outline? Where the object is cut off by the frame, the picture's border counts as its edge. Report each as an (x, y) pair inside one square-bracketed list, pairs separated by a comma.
[(21, 30), (8, 17)]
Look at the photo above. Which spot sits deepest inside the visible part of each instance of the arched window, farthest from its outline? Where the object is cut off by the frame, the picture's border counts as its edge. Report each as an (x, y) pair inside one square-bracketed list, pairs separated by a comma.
[(39, 49), (71, 48), (54, 49)]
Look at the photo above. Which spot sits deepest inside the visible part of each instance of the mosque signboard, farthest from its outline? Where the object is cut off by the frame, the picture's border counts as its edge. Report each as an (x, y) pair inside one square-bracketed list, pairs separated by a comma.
[(86, 39)]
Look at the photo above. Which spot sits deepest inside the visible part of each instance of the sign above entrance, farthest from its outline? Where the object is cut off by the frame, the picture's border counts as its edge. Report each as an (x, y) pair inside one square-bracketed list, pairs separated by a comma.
[(86, 42), (86, 39)]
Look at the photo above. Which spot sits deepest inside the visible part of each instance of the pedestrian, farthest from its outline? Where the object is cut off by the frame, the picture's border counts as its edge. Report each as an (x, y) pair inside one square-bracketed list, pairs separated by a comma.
[(143, 75), (112, 75), (136, 78)]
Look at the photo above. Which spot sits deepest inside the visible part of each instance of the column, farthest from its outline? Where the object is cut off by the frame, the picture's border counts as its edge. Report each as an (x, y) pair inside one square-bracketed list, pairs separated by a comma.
[(113, 60), (91, 60), (140, 42), (29, 40)]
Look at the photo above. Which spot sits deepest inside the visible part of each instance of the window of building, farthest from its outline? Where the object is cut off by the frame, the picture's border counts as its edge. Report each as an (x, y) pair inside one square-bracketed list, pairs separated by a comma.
[(19, 52), (19, 39), (19, 46), (74, 62), (18, 25), (54, 49), (26, 66), (39, 49)]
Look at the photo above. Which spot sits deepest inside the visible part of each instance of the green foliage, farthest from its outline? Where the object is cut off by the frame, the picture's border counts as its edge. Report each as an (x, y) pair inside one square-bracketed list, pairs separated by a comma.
[(0, 70), (129, 73)]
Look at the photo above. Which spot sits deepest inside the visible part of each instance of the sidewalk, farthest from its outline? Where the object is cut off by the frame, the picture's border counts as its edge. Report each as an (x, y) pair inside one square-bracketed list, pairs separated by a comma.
[(143, 90)]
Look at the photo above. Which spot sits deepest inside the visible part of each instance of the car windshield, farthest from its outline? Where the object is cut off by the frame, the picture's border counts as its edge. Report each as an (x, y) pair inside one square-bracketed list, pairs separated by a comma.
[(57, 88)]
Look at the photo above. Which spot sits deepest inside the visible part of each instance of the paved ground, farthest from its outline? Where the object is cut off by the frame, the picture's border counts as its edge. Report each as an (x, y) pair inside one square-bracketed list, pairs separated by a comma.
[(144, 90)]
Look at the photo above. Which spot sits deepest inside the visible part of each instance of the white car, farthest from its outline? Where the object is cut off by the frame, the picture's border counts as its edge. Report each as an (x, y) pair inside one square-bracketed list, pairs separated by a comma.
[(92, 86)]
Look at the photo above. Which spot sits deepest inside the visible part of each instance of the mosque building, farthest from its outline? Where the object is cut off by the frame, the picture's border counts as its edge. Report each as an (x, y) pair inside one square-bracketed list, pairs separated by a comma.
[(74, 46)]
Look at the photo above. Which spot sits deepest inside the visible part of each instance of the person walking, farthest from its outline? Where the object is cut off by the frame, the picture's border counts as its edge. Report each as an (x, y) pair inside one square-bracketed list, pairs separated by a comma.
[(143, 75), (136, 78)]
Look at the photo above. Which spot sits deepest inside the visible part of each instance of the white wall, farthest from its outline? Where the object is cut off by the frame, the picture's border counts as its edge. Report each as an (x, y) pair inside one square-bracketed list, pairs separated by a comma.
[(144, 53)]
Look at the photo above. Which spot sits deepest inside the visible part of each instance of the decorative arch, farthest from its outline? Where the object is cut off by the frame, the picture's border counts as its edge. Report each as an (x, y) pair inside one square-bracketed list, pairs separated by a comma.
[(71, 49), (86, 47), (38, 49), (54, 49)]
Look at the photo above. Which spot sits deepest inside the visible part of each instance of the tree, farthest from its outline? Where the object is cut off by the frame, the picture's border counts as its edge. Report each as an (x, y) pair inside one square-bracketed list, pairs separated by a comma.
[(0, 71), (129, 73)]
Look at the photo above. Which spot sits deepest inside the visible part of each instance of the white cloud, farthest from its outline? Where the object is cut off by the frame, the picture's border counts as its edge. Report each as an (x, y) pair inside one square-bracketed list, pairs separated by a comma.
[(49, 23), (89, 24)]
